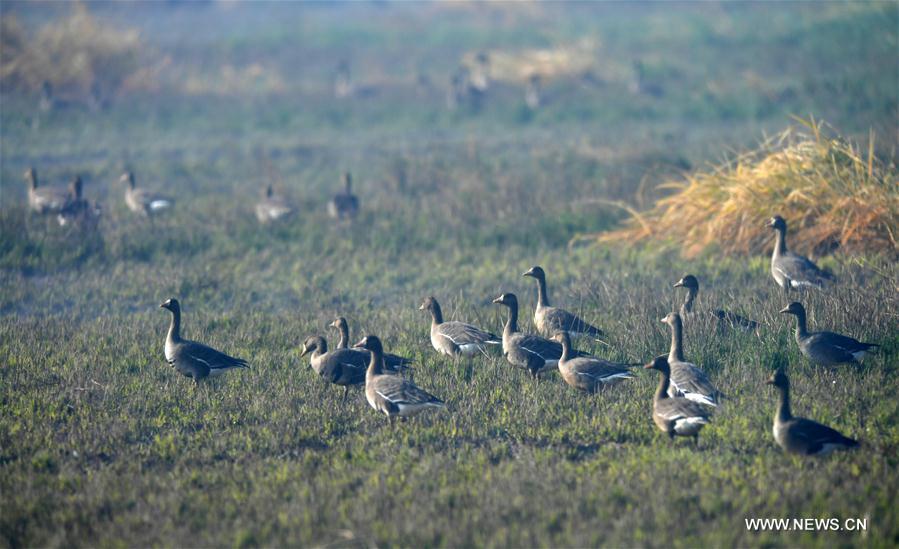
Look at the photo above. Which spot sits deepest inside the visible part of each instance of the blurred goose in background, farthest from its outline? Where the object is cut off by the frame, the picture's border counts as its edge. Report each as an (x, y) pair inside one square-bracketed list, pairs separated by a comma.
[(798, 435), (530, 352), (454, 338), (344, 205), (392, 395), (271, 207), (687, 379), (343, 329), (550, 320), (791, 270), (826, 348), (675, 416), (143, 201), (588, 373), (45, 200), (190, 358), (78, 211), (726, 319)]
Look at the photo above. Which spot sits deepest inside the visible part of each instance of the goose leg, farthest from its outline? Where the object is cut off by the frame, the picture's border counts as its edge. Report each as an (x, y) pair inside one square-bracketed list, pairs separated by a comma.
[(346, 392)]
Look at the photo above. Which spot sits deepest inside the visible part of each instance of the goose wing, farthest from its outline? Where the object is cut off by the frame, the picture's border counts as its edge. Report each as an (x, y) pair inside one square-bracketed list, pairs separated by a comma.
[(598, 369), (674, 409), (214, 360), (562, 320), (801, 271), (461, 333), (735, 320), (401, 392), (692, 382), (816, 436)]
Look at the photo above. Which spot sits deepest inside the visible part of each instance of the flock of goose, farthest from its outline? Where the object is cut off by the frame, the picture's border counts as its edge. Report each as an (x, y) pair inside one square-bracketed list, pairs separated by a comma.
[(682, 403)]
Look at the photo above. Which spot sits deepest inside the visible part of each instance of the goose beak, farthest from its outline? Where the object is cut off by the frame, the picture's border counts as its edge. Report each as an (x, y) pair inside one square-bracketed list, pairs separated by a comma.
[(665, 319), (421, 307), (679, 283), (785, 310), (360, 344), (769, 382), (648, 366), (305, 351), (528, 273), (498, 300)]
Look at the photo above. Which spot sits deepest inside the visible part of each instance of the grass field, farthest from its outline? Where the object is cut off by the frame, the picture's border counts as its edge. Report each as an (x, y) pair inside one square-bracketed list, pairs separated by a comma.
[(102, 444)]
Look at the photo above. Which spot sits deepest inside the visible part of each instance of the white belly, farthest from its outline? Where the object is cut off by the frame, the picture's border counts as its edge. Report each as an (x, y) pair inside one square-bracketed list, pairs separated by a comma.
[(689, 426), (169, 351)]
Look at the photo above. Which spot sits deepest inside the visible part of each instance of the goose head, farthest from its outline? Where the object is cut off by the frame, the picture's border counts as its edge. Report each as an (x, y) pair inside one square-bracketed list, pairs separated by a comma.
[(370, 342), (777, 223), (794, 308), (429, 304), (671, 319), (659, 363), (508, 299), (339, 323), (535, 272), (312, 344), (778, 379), (688, 281), (171, 304)]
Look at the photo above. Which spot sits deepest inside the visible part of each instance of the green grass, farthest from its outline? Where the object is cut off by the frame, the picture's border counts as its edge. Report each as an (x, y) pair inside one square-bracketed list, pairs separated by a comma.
[(102, 444)]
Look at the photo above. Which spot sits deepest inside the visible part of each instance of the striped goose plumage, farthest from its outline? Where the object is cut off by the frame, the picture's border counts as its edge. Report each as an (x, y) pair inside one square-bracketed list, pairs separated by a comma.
[(826, 348), (675, 416), (687, 379), (798, 435), (550, 320), (454, 338), (791, 270), (190, 358)]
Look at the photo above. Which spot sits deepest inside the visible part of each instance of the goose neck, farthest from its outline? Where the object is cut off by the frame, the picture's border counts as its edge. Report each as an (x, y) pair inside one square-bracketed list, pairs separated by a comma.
[(783, 405), (687, 307), (780, 244), (375, 363), (542, 294), (512, 323), (566, 348), (175, 326), (662, 389), (344, 339), (801, 325), (677, 342)]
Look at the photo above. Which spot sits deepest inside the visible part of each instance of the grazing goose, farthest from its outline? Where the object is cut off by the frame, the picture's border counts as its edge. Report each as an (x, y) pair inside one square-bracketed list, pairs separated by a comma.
[(392, 395), (826, 348), (588, 373), (687, 379), (550, 320), (45, 200), (344, 205), (791, 270), (143, 201), (799, 435), (530, 352), (193, 359), (726, 319), (394, 362), (454, 338), (271, 207), (675, 416)]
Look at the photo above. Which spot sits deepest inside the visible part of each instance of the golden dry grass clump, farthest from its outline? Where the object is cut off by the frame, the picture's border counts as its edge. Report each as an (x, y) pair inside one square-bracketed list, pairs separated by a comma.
[(77, 55), (832, 195)]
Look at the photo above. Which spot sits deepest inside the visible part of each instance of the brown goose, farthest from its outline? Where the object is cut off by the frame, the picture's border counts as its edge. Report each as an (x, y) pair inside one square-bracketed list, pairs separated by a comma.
[(78, 211), (826, 348), (190, 358), (550, 320), (392, 395), (45, 200), (394, 362), (687, 379), (344, 205), (143, 201), (726, 319), (343, 367), (675, 416), (454, 338), (530, 352), (271, 207), (791, 270), (799, 435), (588, 373)]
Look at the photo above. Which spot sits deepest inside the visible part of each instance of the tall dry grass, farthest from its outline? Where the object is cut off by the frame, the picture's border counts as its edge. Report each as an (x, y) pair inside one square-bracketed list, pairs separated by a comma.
[(833, 195)]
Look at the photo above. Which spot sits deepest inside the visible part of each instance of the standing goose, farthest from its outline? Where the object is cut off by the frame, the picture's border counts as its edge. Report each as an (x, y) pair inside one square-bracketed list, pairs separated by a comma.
[(726, 319), (392, 395), (394, 362), (77, 209), (799, 435), (550, 320), (826, 348), (530, 352), (675, 416), (271, 207), (791, 270), (588, 373), (686, 378), (454, 338), (45, 200), (344, 205), (193, 359), (143, 201), (344, 367)]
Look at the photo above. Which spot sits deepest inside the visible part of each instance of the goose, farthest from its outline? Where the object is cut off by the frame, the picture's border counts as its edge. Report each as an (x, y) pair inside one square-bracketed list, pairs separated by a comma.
[(344, 367), (392, 395), (454, 338), (798, 435), (550, 320), (271, 207), (45, 200), (77, 209), (143, 201), (826, 348), (530, 352), (791, 270), (190, 358), (344, 205), (726, 319), (675, 416), (587, 373), (394, 362), (687, 379)]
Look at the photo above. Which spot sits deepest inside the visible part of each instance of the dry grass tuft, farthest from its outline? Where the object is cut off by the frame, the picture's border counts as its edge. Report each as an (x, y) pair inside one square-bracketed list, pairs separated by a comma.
[(831, 193)]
